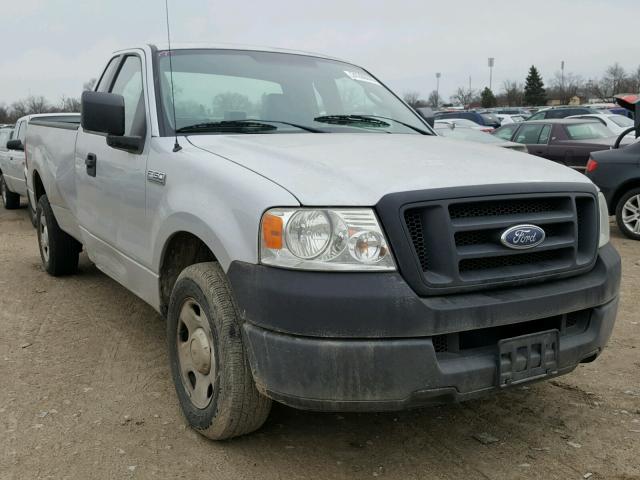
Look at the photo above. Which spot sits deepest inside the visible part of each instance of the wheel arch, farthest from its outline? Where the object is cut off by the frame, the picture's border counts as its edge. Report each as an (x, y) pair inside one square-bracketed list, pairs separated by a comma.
[(627, 185)]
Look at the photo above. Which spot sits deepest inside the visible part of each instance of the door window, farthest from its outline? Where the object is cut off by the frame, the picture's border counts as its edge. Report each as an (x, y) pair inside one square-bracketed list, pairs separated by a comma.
[(105, 79), (545, 134), (538, 116), (129, 84), (529, 134), (506, 132)]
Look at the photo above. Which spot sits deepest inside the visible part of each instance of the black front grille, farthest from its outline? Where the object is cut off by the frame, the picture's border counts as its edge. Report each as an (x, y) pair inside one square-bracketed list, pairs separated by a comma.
[(413, 220), (457, 242), (544, 258), (502, 207)]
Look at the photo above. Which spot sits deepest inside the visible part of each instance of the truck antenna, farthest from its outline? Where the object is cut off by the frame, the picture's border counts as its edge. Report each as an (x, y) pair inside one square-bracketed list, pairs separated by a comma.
[(176, 146)]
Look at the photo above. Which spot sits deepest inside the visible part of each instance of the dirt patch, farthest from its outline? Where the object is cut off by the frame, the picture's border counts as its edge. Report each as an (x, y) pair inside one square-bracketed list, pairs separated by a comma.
[(86, 393)]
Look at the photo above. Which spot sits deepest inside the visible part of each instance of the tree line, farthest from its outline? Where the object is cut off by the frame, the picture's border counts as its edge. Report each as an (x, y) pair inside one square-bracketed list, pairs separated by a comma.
[(39, 104), (562, 87)]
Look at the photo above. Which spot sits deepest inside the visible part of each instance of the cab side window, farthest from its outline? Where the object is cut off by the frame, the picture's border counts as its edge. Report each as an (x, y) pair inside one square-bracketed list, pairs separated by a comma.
[(128, 83), (22, 133)]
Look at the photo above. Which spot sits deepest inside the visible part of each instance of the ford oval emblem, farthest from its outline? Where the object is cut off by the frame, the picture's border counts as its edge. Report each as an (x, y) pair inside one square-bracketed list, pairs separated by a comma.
[(522, 237)]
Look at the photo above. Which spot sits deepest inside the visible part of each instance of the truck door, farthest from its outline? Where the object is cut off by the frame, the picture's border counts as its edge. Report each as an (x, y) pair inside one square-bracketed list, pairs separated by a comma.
[(111, 182)]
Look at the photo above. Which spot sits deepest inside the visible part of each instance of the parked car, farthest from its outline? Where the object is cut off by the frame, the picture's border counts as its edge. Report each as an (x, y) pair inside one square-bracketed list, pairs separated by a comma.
[(473, 135), (506, 119), (512, 111), (614, 122), (617, 174), (566, 141), (485, 119), (317, 244), (12, 162), (562, 112), (463, 122)]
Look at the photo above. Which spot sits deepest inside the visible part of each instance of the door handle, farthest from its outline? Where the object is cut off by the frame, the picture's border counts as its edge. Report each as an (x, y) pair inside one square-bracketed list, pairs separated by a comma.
[(91, 162)]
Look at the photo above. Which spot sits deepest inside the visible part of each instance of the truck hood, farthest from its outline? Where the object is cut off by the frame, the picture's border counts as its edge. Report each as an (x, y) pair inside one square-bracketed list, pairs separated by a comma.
[(359, 169)]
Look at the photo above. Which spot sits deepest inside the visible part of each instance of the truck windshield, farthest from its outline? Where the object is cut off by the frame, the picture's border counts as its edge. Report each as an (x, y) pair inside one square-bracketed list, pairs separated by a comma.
[(237, 91)]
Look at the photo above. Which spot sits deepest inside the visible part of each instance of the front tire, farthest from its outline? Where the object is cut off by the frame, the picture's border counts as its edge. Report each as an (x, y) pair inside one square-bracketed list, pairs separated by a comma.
[(209, 364), (628, 214), (10, 200), (59, 251)]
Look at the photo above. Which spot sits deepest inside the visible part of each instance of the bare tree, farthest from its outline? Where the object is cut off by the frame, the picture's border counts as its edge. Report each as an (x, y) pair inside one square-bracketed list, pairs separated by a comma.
[(464, 96), (37, 104), (435, 100), (69, 105), (512, 93), (614, 77), (413, 99), (564, 87)]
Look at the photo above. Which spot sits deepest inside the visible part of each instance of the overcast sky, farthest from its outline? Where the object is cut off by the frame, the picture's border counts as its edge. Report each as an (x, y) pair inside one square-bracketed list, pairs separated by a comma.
[(50, 47)]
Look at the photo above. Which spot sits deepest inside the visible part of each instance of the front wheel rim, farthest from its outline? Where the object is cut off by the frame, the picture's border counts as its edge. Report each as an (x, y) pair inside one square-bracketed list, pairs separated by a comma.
[(44, 238), (196, 354), (631, 214)]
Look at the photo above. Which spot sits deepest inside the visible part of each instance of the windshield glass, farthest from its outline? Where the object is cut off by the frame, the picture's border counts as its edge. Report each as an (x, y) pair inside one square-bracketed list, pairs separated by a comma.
[(294, 93), (588, 131), (467, 134), (621, 121)]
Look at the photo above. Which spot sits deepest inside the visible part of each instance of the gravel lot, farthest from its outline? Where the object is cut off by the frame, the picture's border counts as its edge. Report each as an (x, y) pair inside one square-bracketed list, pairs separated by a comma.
[(86, 393)]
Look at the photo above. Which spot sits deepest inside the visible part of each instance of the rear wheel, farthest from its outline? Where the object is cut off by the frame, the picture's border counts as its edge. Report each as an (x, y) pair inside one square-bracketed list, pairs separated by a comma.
[(10, 200), (32, 212), (628, 214), (59, 250), (208, 359)]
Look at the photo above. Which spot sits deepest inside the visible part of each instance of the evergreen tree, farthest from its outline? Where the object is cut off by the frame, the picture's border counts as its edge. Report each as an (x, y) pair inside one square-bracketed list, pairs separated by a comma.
[(488, 99), (534, 92)]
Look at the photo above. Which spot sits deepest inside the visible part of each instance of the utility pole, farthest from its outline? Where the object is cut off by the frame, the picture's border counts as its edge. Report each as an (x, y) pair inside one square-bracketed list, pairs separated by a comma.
[(491, 63), (564, 99), (438, 75)]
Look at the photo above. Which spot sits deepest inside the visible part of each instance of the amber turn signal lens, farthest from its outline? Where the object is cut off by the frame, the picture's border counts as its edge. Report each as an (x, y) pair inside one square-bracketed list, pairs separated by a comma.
[(272, 231)]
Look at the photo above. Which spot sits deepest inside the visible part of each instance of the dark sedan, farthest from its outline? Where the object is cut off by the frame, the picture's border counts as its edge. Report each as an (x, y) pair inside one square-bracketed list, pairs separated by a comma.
[(617, 173), (566, 141)]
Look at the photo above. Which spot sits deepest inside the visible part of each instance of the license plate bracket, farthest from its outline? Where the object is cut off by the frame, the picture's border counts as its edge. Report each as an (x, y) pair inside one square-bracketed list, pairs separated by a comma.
[(526, 358)]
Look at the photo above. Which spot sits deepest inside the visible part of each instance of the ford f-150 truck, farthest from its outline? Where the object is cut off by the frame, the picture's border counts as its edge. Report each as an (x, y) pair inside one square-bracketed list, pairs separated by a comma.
[(311, 241)]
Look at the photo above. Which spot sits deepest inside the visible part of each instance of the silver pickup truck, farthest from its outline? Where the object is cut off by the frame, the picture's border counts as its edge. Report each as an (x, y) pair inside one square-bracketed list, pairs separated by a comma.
[(310, 240)]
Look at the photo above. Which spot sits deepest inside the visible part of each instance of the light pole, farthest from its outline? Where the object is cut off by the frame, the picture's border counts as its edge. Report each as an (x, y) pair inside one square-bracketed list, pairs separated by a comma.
[(491, 63), (562, 81), (438, 75)]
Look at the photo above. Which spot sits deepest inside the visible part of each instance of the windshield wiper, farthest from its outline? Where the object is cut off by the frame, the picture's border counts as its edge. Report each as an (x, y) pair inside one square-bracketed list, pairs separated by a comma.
[(352, 120), (241, 126), (372, 120)]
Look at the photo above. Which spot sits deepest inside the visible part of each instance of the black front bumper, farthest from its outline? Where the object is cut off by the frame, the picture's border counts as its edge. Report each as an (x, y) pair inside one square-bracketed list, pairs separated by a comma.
[(365, 341)]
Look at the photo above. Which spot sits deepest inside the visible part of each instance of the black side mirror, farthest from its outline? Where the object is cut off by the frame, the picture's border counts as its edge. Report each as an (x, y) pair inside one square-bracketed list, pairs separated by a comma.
[(15, 145), (427, 114), (103, 113)]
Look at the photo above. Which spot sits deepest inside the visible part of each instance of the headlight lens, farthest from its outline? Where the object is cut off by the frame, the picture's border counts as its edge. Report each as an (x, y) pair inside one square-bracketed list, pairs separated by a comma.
[(324, 239), (604, 221)]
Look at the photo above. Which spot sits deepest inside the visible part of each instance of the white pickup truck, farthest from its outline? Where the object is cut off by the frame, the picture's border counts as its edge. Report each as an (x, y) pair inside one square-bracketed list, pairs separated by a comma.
[(310, 240)]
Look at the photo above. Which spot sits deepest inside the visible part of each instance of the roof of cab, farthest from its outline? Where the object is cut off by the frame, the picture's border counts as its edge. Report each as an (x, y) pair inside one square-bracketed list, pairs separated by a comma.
[(231, 46)]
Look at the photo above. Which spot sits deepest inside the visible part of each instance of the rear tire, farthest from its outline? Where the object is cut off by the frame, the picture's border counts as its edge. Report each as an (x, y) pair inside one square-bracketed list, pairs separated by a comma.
[(59, 250), (10, 200), (32, 212), (209, 363), (628, 214)]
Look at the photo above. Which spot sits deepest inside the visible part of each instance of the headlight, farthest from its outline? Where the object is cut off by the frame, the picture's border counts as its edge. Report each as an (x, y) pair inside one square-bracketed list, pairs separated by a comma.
[(345, 239), (604, 221)]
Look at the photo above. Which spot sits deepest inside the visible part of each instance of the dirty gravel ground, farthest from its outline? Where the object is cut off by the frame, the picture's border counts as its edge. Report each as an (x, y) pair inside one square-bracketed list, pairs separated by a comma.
[(85, 393)]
